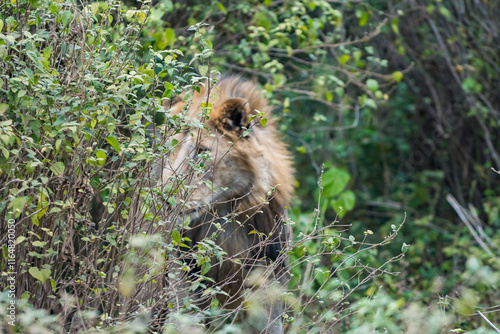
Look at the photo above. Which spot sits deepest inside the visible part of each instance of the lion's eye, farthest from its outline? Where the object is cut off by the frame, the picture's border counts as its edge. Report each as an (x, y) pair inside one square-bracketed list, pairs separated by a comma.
[(201, 150)]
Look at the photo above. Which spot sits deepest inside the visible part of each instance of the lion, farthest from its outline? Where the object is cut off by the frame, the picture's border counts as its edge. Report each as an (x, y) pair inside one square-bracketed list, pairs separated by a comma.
[(238, 201)]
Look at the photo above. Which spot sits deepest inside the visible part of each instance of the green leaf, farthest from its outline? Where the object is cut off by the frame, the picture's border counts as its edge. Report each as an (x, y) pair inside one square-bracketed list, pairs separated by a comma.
[(214, 304), (1, 25), (301, 149), (10, 38), (54, 8), (5, 153), (168, 85), (58, 145), (395, 26), (140, 156), (346, 201), (66, 16), (471, 86), (334, 182), (18, 205), (53, 284), (398, 76), (55, 210), (114, 143), (221, 8), (168, 93), (263, 121), (47, 52), (286, 104), (371, 103), (372, 85), (39, 243), (205, 267), (57, 168), (101, 157), (20, 239), (203, 69), (362, 17), (133, 118), (445, 12), (344, 59), (170, 36), (329, 96), (30, 75), (207, 291), (176, 236), (41, 275), (42, 211), (3, 107), (5, 139), (207, 44), (110, 127)]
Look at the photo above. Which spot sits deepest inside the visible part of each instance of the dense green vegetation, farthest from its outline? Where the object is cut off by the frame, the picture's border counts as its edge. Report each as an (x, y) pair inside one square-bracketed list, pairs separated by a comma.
[(392, 110)]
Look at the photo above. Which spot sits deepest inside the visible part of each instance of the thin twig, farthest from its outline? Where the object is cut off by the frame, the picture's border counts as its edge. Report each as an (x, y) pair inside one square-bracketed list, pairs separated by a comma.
[(489, 322), (459, 210)]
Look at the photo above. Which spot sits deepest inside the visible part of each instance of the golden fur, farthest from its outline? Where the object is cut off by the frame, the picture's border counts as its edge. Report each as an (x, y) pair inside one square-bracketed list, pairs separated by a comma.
[(264, 151), (252, 177)]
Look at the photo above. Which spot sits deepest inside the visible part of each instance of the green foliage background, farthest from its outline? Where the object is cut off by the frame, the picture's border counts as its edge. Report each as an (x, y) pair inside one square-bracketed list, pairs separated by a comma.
[(392, 105)]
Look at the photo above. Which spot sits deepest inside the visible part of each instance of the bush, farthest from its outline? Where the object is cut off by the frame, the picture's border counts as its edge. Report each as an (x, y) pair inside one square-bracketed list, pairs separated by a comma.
[(76, 102), (84, 115)]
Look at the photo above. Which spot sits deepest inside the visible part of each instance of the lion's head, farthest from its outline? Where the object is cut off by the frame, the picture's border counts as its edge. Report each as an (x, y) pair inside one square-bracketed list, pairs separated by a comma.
[(233, 158)]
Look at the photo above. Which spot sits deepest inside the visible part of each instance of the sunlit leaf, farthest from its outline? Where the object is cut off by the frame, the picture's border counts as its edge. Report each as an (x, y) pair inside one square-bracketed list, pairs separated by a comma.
[(372, 85), (205, 267), (221, 8), (41, 275), (114, 143), (203, 69), (398, 76), (170, 36)]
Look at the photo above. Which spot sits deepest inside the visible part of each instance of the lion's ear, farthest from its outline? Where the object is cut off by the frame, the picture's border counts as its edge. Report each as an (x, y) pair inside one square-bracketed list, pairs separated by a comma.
[(232, 114)]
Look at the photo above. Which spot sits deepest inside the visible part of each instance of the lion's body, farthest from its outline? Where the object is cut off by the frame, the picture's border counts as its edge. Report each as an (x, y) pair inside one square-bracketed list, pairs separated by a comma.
[(252, 175)]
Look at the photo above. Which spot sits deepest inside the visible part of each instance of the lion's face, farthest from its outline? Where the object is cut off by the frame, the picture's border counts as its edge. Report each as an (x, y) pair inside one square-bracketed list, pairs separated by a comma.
[(211, 165)]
